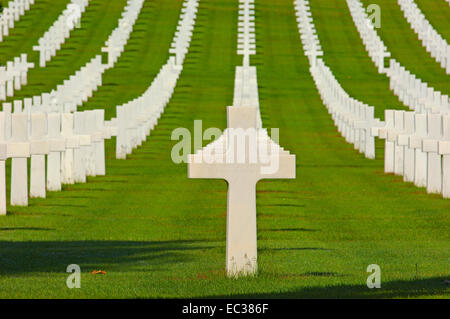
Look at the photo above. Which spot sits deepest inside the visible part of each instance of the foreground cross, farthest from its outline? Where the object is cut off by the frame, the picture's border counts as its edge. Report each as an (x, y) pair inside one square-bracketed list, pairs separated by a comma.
[(242, 165)]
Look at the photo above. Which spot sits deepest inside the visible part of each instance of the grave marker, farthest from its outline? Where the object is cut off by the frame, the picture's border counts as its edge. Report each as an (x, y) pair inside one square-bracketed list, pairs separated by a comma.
[(242, 177), (57, 144), (39, 147), (19, 150)]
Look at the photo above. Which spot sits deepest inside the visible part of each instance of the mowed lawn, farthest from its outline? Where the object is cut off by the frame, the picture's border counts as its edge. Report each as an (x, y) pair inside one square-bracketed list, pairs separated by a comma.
[(159, 234)]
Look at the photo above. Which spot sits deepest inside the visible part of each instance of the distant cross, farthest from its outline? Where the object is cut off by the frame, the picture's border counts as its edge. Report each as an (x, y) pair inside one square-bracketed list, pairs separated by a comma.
[(44, 50), (24, 66), (180, 54), (312, 52), (110, 49), (380, 55)]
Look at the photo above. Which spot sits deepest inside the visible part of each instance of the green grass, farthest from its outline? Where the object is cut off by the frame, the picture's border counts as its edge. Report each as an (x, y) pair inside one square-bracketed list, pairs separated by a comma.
[(159, 234)]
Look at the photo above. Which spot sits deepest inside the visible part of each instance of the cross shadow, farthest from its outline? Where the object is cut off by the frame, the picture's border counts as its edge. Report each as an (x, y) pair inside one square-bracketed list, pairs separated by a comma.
[(429, 287), (55, 256)]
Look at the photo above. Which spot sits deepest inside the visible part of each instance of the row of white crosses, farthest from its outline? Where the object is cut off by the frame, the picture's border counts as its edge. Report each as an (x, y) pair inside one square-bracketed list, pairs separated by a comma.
[(246, 79), (12, 13), (353, 119), (81, 86), (77, 89), (73, 92), (71, 143), (417, 143), (377, 50), (49, 126), (414, 93), (54, 37), (308, 35), (434, 43), (135, 119), (14, 75), (180, 44), (242, 165), (417, 147), (115, 45), (246, 45), (374, 45)]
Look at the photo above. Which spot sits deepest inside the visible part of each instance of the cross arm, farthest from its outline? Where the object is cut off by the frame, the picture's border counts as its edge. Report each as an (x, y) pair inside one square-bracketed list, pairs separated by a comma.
[(199, 169)]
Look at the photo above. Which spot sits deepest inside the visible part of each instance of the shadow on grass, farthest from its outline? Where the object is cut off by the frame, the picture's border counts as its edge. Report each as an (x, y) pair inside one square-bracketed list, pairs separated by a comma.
[(55, 256), (23, 228), (426, 287), (290, 229)]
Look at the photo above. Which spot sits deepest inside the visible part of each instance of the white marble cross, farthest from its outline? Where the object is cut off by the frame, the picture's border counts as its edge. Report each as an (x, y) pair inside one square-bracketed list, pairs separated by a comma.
[(313, 50), (381, 54), (367, 139), (2, 23), (72, 142), (95, 136), (17, 73), (444, 150), (399, 128), (430, 145), (4, 78), (9, 15), (44, 49), (403, 142), (24, 66), (121, 140), (388, 145), (3, 157), (237, 161), (80, 154), (19, 150), (57, 144), (39, 147), (415, 142), (4, 26), (12, 73), (98, 139), (180, 53)]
